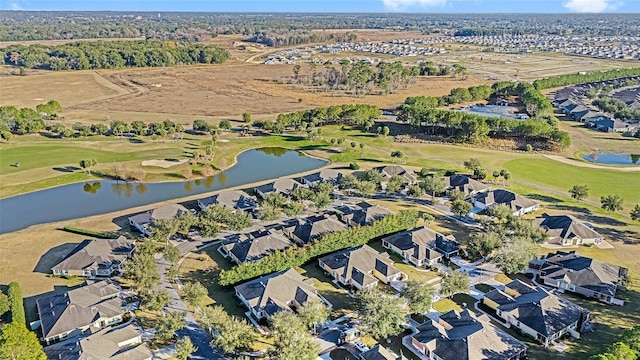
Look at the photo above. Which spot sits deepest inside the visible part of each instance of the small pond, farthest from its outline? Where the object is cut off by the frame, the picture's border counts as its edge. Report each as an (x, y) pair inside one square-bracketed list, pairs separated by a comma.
[(103, 196), (612, 159)]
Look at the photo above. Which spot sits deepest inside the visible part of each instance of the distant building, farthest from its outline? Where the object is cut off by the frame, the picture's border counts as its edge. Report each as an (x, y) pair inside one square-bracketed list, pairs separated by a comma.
[(92, 258), (519, 204), (144, 220), (281, 186), (468, 186), (422, 246), (120, 343), (308, 229), (363, 213), (330, 176), (408, 176), (232, 200)]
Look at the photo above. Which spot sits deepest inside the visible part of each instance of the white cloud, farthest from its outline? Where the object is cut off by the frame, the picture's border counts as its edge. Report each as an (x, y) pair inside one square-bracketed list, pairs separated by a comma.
[(398, 5), (15, 6), (591, 6)]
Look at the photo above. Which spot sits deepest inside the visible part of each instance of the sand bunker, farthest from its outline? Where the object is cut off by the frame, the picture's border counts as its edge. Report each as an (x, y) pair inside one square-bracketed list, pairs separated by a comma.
[(164, 163)]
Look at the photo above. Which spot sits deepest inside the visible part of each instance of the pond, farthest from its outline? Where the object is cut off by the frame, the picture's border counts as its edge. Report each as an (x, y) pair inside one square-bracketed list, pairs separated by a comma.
[(103, 196), (612, 159)]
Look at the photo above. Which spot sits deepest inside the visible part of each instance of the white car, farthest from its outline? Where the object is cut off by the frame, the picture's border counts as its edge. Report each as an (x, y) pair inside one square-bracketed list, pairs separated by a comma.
[(360, 346)]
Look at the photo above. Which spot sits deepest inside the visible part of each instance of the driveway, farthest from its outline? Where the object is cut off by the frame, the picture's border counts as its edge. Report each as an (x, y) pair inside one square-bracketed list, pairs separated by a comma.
[(198, 336)]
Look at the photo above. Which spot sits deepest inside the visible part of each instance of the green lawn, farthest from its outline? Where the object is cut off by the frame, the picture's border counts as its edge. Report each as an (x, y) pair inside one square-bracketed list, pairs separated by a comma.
[(561, 177), (341, 301), (412, 272), (446, 305)]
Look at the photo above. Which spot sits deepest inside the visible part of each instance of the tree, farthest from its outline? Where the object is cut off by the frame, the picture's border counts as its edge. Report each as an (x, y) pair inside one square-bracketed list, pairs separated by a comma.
[(496, 174), (454, 283), (579, 192), (193, 292), (212, 317), (501, 211), (18, 343), (171, 253), (184, 348), (394, 185), (415, 191), (225, 124), (246, 117), (361, 149), (397, 154), (156, 300), (515, 255), (418, 296), (5, 305), (434, 185), (296, 71), (143, 271), (427, 218), (471, 164), (168, 324), (635, 213), (483, 244), (313, 313), (480, 173), (16, 306), (461, 208), (291, 339), (621, 351), (611, 203), (381, 315), (233, 334), (385, 131)]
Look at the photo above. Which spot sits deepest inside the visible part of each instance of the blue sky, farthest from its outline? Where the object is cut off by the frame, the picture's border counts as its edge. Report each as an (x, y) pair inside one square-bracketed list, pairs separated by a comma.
[(449, 6)]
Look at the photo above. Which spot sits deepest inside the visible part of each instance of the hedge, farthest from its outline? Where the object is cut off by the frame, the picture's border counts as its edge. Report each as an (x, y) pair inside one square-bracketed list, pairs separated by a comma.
[(97, 234), (16, 307), (328, 243), (572, 79)]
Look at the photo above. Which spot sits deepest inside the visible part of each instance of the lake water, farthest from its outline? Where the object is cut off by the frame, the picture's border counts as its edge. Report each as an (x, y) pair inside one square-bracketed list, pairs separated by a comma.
[(103, 196), (613, 159)]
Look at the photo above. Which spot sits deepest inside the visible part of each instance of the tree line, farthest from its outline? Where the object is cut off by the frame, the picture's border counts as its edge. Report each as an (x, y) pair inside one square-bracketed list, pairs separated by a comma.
[(288, 37), (628, 348), (571, 79), (362, 77), (112, 55), (361, 115), (328, 243)]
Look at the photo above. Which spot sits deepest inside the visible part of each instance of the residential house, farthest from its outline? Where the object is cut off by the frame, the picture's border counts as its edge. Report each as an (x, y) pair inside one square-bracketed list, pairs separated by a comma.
[(566, 230), (85, 309), (281, 186), (362, 214), (607, 124), (255, 246), (579, 111), (379, 352), (330, 176), (92, 258), (285, 290), (122, 342), (567, 107), (569, 271), (361, 267), (519, 204), (144, 220), (408, 176), (232, 200), (311, 228), (422, 246), (466, 185), (465, 336), (536, 312)]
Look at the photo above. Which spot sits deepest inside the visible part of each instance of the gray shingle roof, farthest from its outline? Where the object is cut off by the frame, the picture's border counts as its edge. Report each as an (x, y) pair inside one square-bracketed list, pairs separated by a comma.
[(78, 308), (537, 308), (424, 242), (162, 213), (255, 248), (583, 271), (282, 186), (378, 352), (273, 293), (464, 184), (235, 199), (566, 227), (406, 174), (327, 175), (463, 336), (314, 226), (360, 262), (364, 213), (103, 344), (91, 254), (501, 196)]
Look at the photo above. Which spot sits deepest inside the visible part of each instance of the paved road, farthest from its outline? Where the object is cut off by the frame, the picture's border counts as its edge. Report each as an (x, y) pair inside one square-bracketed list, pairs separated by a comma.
[(193, 330)]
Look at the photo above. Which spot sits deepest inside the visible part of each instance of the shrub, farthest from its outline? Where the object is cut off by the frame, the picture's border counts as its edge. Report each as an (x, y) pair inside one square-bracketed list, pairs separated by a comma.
[(354, 166)]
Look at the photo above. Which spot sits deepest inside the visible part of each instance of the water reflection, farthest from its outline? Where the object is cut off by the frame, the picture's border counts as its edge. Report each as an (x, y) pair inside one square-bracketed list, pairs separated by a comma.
[(92, 188), (188, 186), (141, 188), (122, 188)]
